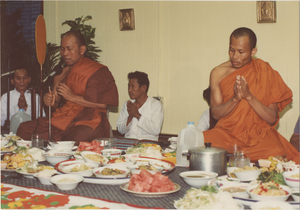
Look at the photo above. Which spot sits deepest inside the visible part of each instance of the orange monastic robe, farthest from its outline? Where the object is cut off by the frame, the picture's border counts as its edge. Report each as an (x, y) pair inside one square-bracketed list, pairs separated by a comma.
[(243, 126)]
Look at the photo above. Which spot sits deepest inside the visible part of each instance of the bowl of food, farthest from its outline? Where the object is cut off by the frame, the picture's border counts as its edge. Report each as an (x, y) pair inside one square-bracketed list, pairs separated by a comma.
[(111, 152), (290, 166), (247, 173), (269, 191), (83, 169), (93, 157), (236, 189), (66, 181), (111, 172), (197, 179), (45, 176), (230, 170), (296, 195), (292, 179), (119, 161), (272, 205), (55, 157), (23, 143), (136, 169), (62, 145)]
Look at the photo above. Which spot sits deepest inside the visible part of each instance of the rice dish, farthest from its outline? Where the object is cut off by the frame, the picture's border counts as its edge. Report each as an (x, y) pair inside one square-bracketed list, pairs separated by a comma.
[(269, 189), (200, 199), (47, 173)]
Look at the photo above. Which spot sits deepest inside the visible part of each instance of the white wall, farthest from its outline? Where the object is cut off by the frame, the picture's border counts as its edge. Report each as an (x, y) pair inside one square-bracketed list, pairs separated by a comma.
[(178, 43)]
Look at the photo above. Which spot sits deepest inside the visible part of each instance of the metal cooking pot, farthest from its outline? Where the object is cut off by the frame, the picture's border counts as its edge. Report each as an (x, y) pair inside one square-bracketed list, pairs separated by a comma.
[(211, 159)]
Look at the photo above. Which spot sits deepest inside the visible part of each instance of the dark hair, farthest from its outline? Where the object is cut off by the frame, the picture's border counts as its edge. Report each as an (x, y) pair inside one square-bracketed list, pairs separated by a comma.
[(206, 95), (243, 31), (142, 78), (77, 34), (12, 76)]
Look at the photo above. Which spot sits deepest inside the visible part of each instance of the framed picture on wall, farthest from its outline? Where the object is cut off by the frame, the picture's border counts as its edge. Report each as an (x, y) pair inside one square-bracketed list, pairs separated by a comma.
[(266, 11), (126, 18)]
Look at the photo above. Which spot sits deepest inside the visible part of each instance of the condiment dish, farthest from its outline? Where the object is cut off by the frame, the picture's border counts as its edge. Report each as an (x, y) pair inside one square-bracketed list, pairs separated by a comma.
[(66, 181), (197, 179), (55, 157), (247, 175), (97, 172), (111, 153)]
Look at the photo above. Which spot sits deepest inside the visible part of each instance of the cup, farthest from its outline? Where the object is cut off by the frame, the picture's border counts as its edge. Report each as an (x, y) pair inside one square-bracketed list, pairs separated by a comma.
[(37, 141), (234, 149)]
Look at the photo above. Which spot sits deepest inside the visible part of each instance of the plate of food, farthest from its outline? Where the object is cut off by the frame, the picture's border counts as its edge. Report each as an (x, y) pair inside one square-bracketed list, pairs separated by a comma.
[(92, 179), (146, 150), (28, 171), (125, 186), (166, 166)]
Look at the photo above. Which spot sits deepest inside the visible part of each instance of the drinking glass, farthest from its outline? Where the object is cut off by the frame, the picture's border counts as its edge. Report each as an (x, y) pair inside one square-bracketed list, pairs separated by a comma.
[(37, 141), (234, 149), (242, 159)]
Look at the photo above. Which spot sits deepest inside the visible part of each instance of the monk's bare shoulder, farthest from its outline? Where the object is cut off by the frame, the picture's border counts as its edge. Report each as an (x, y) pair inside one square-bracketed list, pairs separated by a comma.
[(221, 71)]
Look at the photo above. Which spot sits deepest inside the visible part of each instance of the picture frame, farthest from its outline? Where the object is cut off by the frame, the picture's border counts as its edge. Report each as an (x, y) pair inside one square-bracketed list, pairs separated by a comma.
[(266, 11), (126, 19)]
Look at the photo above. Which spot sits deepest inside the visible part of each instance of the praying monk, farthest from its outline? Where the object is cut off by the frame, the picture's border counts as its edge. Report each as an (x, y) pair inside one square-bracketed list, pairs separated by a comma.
[(87, 88), (246, 98)]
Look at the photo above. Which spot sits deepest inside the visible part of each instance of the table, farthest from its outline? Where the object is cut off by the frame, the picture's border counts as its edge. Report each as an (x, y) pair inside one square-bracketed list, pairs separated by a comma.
[(109, 192)]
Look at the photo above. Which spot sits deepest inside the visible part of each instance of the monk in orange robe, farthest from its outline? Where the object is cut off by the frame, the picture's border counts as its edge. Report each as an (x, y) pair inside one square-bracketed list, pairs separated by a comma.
[(246, 98), (87, 88)]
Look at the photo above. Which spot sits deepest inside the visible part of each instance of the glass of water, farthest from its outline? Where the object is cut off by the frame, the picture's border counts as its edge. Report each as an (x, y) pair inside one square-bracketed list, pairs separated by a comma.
[(242, 159), (37, 141)]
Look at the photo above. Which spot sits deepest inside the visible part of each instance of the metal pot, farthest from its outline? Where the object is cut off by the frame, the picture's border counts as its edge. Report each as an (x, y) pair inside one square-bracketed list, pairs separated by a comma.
[(211, 159)]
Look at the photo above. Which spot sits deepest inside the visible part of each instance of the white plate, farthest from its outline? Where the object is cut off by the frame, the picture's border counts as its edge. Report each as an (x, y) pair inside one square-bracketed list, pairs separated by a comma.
[(92, 180), (169, 166), (249, 202), (124, 187), (27, 175)]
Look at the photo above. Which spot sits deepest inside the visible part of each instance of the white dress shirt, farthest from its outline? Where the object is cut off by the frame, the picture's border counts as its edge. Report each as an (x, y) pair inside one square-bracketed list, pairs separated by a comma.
[(148, 126), (203, 123), (14, 108)]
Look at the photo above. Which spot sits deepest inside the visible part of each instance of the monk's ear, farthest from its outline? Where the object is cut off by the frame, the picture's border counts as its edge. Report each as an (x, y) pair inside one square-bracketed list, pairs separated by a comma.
[(253, 52), (82, 49)]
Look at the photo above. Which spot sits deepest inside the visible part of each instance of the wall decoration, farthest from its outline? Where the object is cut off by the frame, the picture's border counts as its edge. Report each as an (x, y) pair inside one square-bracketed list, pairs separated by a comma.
[(126, 17), (266, 11)]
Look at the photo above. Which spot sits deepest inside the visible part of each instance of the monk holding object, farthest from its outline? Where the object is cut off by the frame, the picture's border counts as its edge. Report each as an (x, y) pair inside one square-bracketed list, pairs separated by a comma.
[(87, 88), (246, 98)]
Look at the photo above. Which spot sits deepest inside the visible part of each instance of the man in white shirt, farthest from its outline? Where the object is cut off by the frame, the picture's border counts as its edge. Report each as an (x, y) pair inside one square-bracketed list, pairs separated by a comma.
[(20, 97), (141, 117)]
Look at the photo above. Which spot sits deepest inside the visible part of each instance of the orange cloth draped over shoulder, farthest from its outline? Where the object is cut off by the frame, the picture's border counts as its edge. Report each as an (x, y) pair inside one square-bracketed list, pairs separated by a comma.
[(243, 126), (76, 81)]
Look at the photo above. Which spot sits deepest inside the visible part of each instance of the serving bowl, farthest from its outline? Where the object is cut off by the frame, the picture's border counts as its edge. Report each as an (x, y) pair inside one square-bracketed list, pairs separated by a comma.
[(135, 169), (66, 181), (55, 157), (197, 179), (83, 169), (290, 166), (23, 143), (97, 172), (236, 189), (272, 205), (93, 157), (273, 198), (248, 175), (293, 182), (45, 176), (63, 145), (230, 170), (111, 152)]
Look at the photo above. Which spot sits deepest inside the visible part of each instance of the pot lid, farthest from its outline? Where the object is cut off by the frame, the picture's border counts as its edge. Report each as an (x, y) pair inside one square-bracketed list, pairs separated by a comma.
[(207, 149)]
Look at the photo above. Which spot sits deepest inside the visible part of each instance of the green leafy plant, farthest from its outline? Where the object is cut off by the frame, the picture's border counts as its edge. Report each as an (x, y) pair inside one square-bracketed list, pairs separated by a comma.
[(88, 32)]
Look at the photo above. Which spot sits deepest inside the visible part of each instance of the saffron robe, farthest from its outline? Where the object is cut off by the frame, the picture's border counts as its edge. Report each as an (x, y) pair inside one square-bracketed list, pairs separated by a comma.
[(96, 84), (243, 126)]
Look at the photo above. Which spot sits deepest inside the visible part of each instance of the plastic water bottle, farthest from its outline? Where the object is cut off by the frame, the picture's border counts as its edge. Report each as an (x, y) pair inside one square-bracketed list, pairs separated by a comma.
[(188, 137), (17, 119)]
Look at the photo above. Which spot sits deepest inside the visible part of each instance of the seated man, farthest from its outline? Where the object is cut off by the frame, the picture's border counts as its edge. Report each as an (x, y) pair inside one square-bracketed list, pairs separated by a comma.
[(141, 117), (87, 87), (206, 121), (295, 137), (246, 96), (20, 97)]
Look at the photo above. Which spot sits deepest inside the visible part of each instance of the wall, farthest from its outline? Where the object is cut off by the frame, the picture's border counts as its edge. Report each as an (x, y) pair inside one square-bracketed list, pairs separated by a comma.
[(178, 43)]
